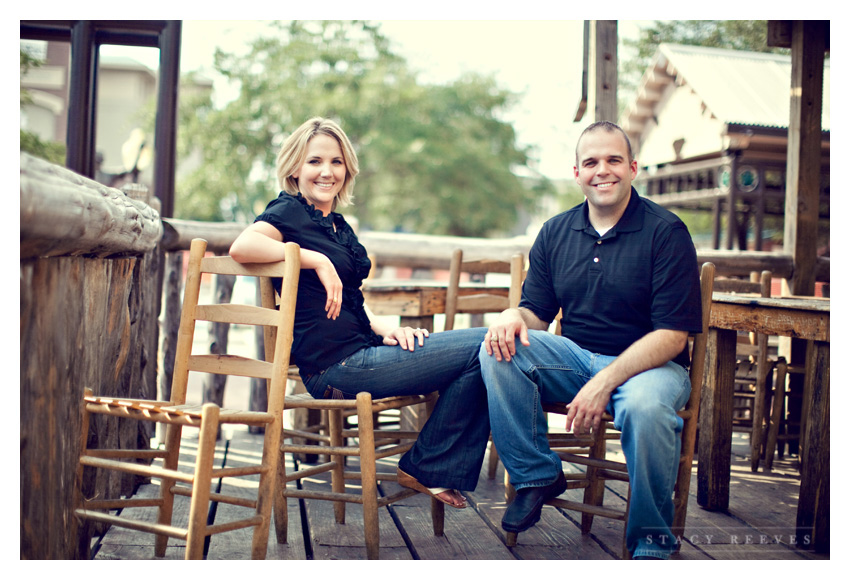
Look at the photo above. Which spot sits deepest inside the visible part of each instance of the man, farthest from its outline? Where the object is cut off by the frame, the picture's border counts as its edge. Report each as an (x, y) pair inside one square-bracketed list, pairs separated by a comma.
[(624, 272)]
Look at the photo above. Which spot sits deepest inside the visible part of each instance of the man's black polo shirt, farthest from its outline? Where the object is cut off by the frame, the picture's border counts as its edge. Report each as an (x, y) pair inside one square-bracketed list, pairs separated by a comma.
[(642, 275)]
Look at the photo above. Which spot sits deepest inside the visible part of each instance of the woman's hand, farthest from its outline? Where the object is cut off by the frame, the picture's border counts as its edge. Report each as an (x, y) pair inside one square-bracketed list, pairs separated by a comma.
[(333, 285), (406, 337)]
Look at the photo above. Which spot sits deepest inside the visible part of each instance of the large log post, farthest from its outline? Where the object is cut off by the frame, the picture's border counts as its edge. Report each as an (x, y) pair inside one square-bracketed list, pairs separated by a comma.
[(88, 319)]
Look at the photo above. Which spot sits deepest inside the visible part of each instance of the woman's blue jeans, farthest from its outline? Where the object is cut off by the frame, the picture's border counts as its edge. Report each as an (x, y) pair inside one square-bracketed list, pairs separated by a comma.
[(553, 369), (450, 449)]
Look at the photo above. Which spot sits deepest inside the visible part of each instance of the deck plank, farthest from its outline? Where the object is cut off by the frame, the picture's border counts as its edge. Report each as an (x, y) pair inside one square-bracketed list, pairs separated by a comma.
[(465, 535)]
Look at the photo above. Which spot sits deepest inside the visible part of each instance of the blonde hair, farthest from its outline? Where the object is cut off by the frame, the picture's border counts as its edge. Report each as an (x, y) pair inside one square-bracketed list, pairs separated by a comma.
[(293, 152)]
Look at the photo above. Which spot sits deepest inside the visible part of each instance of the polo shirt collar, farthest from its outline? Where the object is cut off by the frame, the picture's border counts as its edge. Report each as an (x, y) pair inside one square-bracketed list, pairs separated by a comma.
[(630, 221)]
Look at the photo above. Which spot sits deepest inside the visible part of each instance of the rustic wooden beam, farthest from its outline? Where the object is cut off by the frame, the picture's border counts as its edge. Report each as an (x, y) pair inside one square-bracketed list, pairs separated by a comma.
[(605, 70), (178, 234), (63, 213), (804, 151)]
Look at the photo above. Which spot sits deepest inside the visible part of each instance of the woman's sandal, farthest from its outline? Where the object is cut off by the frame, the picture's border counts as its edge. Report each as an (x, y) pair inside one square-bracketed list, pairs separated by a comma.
[(407, 480)]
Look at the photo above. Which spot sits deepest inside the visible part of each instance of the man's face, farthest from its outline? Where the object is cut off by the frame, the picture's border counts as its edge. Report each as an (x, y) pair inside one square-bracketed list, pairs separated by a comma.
[(604, 171)]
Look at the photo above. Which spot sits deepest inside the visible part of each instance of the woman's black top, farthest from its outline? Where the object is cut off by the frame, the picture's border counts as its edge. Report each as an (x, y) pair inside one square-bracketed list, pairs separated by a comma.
[(320, 342)]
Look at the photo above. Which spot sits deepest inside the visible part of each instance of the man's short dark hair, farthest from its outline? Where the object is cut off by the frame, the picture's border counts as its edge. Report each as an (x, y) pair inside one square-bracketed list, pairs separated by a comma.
[(610, 128)]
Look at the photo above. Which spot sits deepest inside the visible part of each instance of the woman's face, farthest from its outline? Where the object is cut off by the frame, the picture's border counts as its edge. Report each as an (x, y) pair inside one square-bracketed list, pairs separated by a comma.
[(321, 176)]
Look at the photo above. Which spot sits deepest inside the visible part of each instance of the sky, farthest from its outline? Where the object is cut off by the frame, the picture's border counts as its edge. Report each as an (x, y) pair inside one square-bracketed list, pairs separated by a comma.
[(541, 59)]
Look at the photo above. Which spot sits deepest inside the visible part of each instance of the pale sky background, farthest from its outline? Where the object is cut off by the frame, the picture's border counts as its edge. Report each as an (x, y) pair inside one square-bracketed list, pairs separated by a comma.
[(539, 58)]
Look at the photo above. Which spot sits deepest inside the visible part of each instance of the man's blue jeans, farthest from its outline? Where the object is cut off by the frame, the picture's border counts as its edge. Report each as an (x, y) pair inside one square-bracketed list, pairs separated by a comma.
[(450, 449), (644, 408)]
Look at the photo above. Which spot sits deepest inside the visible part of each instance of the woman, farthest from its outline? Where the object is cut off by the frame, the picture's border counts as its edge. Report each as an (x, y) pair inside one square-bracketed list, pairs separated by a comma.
[(340, 348)]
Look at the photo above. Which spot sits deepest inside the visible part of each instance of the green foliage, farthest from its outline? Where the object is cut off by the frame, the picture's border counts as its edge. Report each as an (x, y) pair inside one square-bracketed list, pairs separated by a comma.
[(433, 159), (48, 150), (30, 142)]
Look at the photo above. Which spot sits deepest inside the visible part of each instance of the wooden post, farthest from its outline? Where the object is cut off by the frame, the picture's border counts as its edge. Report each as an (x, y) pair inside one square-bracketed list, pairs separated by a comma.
[(813, 509), (165, 160), (802, 189), (715, 421), (804, 151), (82, 94), (259, 397), (604, 67)]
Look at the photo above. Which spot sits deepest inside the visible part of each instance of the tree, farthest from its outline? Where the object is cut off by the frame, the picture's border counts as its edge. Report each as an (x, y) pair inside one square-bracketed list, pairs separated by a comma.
[(433, 159)]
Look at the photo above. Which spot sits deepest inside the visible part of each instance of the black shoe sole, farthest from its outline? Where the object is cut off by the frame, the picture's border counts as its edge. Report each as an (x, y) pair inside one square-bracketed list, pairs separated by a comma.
[(522, 529)]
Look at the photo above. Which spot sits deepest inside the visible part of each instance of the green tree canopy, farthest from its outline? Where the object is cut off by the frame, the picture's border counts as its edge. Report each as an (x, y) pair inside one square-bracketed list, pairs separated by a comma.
[(433, 159)]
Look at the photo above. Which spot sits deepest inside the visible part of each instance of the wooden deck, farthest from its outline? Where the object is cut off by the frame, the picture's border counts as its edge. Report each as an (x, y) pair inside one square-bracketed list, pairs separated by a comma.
[(760, 523)]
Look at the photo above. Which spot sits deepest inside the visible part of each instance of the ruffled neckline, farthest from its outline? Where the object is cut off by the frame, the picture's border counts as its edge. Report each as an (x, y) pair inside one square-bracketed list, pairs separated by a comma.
[(342, 234)]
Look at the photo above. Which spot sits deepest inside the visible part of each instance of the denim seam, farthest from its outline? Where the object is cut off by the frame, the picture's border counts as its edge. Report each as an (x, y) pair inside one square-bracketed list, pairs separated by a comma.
[(534, 434)]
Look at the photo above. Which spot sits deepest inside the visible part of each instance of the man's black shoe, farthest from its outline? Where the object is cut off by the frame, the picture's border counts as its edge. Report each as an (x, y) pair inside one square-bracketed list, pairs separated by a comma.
[(525, 510)]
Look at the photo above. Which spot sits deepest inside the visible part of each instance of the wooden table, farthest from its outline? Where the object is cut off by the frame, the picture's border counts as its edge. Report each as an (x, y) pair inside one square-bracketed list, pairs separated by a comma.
[(416, 301), (797, 317)]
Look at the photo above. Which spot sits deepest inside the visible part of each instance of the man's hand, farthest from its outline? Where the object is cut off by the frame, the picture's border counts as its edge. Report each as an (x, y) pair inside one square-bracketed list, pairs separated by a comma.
[(501, 336), (586, 409), (652, 350)]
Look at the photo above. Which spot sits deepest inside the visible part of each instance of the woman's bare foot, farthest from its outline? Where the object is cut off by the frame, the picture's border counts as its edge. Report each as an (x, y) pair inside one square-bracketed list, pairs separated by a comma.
[(449, 497), (452, 497)]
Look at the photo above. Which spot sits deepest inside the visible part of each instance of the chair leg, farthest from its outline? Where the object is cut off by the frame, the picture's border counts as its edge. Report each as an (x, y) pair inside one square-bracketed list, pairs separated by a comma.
[(776, 413), (438, 516), (202, 483), (368, 481), (267, 490), (493, 461), (595, 491), (173, 434), (84, 550), (281, 510), (626, 554), (335, 426)]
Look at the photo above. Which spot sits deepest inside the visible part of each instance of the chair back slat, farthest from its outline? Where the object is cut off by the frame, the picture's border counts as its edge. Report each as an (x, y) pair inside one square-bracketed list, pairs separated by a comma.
[(228, 364), (481, 303), (228, 266), (237, 314)]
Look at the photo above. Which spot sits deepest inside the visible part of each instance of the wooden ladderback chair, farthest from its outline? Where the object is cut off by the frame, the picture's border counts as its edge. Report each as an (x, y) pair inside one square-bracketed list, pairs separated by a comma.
[(754, 374), (338, 442), (207, 418), (589, 450), (483, 302)]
